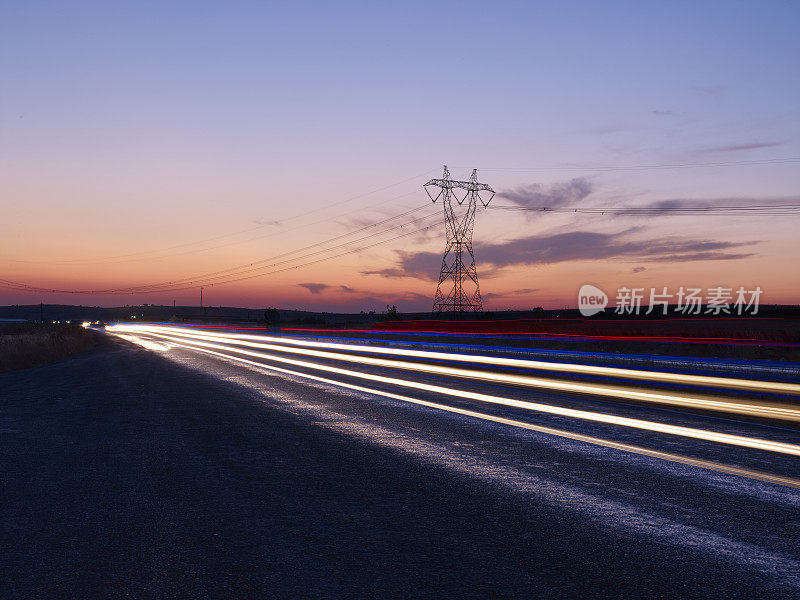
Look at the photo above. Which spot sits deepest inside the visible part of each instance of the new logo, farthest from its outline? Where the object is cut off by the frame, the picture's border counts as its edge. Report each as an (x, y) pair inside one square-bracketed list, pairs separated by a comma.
[(591, 300)]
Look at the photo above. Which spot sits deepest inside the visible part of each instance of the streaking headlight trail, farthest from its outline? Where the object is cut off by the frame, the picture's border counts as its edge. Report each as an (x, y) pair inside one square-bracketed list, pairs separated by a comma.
[(199, 340), (325, 351), (654, 376)]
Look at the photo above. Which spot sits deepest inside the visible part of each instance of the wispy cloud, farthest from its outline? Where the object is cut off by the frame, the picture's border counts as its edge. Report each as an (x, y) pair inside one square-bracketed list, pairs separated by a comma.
[(315, 288), (555, 196), (665, 113), (742, 147), (663, 207), (318, 288), (666, 207)]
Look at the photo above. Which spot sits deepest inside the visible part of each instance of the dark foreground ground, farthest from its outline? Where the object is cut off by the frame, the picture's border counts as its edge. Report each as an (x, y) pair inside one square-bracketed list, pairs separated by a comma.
[(129, 475)]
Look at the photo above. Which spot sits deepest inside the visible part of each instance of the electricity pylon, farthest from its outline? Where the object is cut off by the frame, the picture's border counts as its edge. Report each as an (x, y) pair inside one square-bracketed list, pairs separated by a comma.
[(458, 288)]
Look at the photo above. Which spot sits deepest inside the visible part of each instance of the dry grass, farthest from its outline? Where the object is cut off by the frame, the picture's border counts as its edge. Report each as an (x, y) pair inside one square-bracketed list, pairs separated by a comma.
[(24, 345)]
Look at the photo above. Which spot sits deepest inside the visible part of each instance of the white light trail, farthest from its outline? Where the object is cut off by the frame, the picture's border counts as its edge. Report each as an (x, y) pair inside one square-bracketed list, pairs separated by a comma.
[(669, 456), (690, 432), (766, 410), (657, 376)]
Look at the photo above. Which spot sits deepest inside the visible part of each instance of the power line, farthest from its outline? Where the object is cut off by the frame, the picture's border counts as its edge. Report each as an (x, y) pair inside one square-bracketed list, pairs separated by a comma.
[(650, 167), (351, 251), (755, 209), (225, 277), (238, 273), (29, 288), (254, 265), (135, 256)]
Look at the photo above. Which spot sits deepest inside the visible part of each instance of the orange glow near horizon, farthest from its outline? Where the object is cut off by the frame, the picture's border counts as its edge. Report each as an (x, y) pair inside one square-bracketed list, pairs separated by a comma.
[(342, 285)]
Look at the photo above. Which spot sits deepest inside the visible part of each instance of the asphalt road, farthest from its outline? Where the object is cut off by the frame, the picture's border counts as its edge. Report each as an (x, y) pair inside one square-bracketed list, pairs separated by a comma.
[(172, 473)]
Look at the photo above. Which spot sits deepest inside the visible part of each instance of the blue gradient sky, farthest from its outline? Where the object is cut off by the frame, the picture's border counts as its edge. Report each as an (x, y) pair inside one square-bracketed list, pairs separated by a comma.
[(140, 126)]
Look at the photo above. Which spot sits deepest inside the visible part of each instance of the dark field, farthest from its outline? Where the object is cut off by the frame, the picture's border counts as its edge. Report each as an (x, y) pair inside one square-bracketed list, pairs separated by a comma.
[(24, 345)]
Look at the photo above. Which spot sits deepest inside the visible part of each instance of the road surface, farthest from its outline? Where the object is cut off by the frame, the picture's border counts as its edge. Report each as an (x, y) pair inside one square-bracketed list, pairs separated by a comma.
[(158, 469)]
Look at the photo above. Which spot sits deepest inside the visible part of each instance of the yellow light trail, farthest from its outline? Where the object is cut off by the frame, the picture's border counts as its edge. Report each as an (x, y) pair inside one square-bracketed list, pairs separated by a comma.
[(765, 410), (690, 432), (658, 376)]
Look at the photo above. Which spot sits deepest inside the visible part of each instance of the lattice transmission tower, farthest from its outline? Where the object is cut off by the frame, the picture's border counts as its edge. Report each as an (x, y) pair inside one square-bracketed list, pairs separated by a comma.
[(458, 288)]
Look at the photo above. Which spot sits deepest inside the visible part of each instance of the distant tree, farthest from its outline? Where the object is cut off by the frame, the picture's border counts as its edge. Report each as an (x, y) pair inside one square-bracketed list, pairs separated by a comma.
[(392, 314)]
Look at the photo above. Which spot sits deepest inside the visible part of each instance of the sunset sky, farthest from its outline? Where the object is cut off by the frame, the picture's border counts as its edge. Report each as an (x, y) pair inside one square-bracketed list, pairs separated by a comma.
[(143, 143)]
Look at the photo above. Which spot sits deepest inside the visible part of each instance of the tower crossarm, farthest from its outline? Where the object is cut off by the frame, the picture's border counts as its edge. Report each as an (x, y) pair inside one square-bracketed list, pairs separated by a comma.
[(471, 186)]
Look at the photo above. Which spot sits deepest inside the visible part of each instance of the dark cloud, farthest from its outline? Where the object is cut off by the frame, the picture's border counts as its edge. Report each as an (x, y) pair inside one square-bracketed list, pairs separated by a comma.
[(639, 269), (573, 246), (742, 147), (315, 288), (589, 245), (555, 196), (422, 265), (666, 205), (348, 289)]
